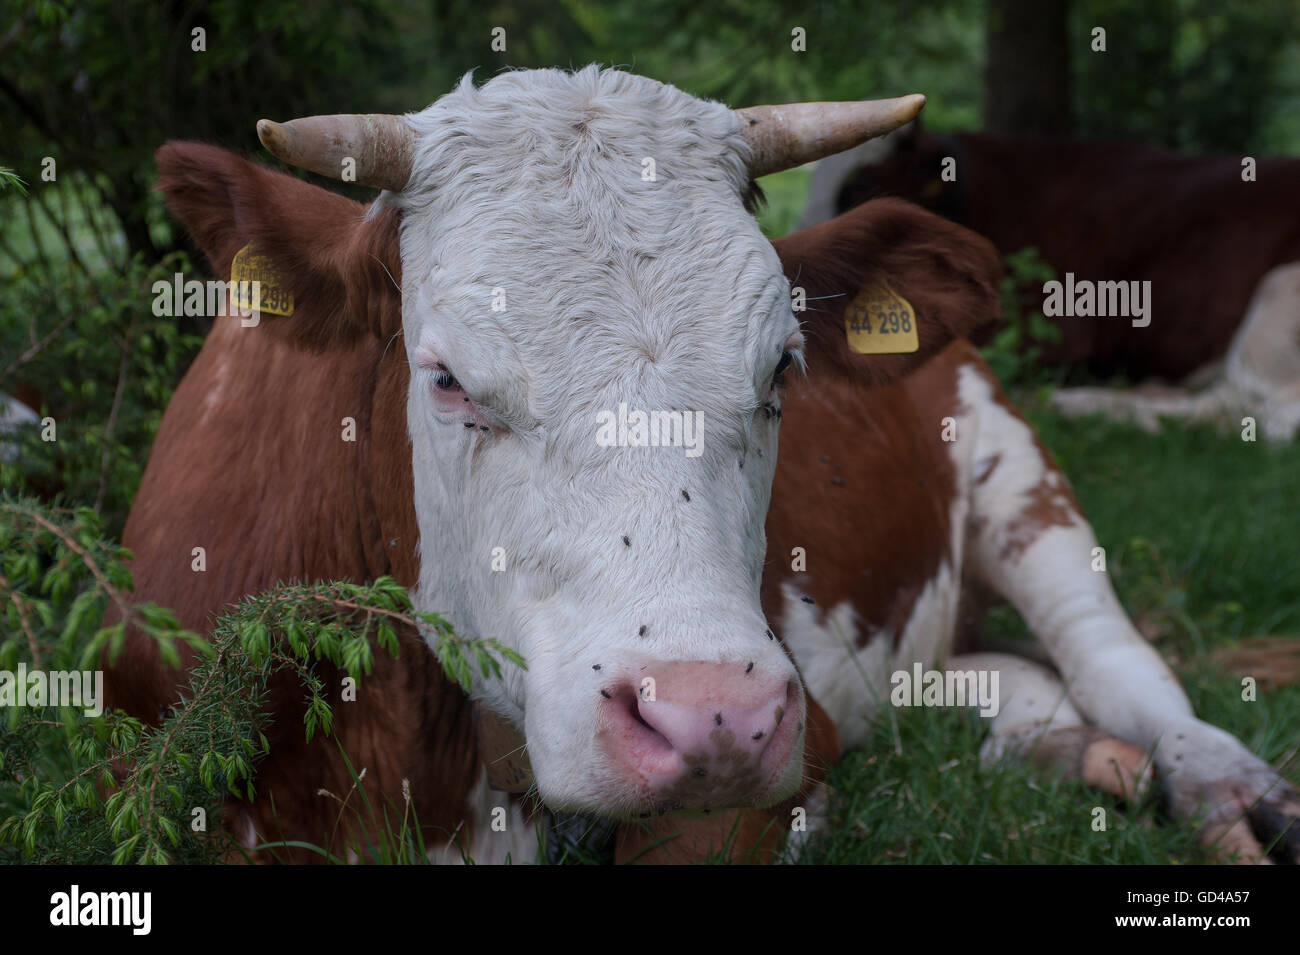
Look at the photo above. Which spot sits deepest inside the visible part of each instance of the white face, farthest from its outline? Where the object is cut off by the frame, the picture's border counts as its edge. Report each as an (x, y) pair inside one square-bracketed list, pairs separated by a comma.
[(555, 285)]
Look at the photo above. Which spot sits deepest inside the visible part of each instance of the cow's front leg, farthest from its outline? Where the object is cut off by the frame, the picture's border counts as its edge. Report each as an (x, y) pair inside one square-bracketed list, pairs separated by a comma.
[(1030, 543), (1036, 722)]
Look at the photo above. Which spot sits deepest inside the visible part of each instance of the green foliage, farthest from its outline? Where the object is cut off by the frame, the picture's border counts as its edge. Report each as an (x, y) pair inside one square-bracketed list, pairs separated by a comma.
[(784, 196), (1014, 351), (103, 366), (1199, 75), (9, 178), (99, 88), (83, 788)]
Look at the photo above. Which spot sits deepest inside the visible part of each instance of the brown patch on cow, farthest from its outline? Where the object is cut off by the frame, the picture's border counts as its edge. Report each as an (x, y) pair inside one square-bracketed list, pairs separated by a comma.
[(344, 271), (879, 545), (263, 482), (1051, 503)]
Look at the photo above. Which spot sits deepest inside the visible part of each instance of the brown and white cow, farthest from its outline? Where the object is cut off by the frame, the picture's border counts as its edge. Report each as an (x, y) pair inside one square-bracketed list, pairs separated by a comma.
[(1216, 237), (618, 282)]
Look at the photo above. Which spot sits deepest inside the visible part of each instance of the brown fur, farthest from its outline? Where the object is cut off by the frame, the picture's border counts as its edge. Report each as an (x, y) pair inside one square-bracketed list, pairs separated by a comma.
[(895, 478), (948, 275)]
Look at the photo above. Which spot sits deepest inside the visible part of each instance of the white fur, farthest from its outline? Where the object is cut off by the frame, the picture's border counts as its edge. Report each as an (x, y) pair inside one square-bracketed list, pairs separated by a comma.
[(853, 684), (1033, 701), (663, 295), (484, 845), (1115, 679)]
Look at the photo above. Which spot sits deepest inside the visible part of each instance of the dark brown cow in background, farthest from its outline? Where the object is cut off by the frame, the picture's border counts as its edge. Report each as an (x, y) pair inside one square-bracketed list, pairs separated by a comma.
[(1218, 238)]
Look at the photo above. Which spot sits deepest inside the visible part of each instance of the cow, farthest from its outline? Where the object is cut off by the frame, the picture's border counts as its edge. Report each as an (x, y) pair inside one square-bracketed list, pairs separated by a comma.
[(1215, 237), (524, 274)]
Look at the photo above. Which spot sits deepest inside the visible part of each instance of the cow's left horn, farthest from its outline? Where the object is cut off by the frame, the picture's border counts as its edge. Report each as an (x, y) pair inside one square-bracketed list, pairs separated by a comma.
[(783, 137), (380, 144)]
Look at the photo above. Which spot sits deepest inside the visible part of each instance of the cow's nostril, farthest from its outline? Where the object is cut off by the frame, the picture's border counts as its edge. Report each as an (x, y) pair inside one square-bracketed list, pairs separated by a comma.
[(636, 715), (637, 735), (709, 736)]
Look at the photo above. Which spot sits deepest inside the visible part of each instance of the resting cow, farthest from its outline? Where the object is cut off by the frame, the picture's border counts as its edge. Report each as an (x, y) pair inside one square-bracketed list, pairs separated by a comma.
[(1215, 236), (526, 275)]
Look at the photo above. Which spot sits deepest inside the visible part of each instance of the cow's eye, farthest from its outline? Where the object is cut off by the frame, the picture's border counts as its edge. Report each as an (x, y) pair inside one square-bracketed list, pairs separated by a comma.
[(443, 380), (783, 364), (791, 352)]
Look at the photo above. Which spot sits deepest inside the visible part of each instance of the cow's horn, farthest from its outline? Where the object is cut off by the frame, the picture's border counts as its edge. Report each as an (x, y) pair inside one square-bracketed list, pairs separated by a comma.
[(379, 144), (783, 137)]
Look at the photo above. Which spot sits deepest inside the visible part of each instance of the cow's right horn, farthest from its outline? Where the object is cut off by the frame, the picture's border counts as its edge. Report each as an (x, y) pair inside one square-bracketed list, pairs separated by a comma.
[(783, 137), (379, 144)]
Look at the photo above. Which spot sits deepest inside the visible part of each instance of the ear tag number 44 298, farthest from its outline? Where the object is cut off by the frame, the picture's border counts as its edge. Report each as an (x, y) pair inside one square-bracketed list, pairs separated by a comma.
[(880, 321)]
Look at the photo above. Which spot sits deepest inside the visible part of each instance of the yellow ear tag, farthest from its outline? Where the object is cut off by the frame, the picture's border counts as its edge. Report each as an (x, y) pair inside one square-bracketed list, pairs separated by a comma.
[(270, 296), (880, 322)]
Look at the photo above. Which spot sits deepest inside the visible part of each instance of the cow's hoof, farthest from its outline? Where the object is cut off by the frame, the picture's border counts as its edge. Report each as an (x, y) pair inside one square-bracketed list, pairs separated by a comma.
[(1252, 824), (1094, 756), (1117, 767)]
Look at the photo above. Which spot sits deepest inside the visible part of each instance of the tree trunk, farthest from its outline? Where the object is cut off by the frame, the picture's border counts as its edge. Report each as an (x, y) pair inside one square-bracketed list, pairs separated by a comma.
[(1027, 74)]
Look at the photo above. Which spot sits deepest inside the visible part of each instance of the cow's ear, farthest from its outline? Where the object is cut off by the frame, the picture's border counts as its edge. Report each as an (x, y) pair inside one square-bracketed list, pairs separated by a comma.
[(887, 261), (342, 269)]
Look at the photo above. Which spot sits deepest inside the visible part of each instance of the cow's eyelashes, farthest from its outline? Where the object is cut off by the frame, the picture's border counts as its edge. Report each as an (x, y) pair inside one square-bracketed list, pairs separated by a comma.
[(445, 381), (781, 366)]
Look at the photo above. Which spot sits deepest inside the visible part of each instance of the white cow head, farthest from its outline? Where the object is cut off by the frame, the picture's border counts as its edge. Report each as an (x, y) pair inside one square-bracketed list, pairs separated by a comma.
[(595, 324)]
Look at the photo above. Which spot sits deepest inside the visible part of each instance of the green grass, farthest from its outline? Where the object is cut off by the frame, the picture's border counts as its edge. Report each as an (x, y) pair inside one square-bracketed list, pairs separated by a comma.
[(1202, 541), (1196, 524)]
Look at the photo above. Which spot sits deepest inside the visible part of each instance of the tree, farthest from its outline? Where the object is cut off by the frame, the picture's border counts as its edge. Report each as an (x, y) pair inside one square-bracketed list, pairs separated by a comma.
[(1027, 87)]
